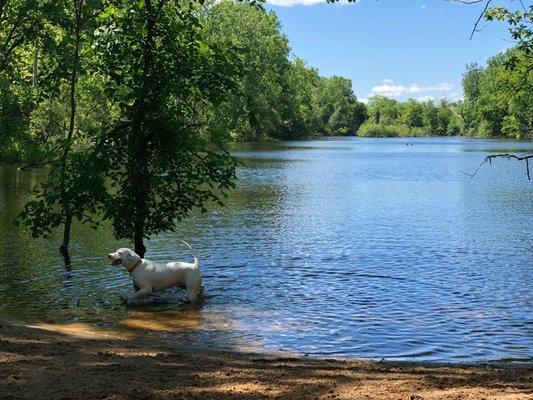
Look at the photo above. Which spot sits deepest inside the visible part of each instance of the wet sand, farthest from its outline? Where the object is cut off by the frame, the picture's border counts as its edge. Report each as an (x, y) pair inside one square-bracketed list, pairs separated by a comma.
[(79, 362)]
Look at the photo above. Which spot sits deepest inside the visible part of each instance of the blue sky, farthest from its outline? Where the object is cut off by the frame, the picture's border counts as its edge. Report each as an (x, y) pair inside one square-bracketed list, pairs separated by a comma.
[(398, 48)]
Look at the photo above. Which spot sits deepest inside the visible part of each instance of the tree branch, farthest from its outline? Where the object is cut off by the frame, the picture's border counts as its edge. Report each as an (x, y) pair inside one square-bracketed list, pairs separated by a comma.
[(470, 2), (475, 28), (508, 156)]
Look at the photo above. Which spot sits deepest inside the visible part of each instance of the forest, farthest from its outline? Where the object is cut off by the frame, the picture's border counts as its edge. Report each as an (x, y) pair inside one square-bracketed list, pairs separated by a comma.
[(71, 52)]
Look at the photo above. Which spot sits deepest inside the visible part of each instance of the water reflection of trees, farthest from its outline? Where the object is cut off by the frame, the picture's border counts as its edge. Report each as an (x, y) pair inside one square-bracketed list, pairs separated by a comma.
[(35, 280), (38, 284)]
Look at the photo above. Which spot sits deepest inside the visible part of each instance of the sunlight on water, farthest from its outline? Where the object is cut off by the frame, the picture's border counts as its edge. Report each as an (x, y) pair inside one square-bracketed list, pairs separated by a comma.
[(84, 331), (340, 247)]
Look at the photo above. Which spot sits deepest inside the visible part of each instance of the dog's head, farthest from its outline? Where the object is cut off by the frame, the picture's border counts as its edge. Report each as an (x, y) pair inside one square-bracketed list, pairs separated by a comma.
[(123, 256)]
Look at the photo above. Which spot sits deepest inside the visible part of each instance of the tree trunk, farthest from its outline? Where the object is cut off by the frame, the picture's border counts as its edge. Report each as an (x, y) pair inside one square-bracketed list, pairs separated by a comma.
[(66, 233), (139, 140), (66, 260), (78, 11), (139, 240)]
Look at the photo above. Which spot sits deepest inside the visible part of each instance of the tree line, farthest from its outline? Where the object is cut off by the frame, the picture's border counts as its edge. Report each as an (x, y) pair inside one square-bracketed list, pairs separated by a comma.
[(49, 88), (391, 118), (498, 102), (68, 74)]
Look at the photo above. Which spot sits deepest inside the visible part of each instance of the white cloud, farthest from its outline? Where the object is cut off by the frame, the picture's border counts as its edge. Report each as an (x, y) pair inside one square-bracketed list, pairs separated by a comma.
[(364, 100), (388, 89), (415, 88), (426, 98), (291, 3), (440, 87)]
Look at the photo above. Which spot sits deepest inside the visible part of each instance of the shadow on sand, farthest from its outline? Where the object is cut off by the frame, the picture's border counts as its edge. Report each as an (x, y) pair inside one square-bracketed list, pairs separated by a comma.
[(48, 363)]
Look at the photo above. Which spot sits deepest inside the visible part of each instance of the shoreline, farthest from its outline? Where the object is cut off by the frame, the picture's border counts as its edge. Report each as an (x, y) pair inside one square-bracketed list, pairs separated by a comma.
[(78, 362), (269, 140)]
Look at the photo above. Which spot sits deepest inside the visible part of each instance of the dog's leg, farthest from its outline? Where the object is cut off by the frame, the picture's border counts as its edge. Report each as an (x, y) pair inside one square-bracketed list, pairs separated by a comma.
[(193, 292), (142, 292)]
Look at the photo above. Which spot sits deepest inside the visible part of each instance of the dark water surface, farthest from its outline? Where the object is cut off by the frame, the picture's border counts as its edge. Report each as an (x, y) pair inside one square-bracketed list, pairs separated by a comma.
[(340, 247)]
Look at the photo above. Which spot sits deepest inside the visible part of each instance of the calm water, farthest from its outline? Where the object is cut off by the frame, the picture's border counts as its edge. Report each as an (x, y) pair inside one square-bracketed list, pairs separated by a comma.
[(341, 247)]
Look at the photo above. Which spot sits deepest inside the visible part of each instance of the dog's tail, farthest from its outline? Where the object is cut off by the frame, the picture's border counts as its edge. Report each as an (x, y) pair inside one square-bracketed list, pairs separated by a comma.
[(192, 250)]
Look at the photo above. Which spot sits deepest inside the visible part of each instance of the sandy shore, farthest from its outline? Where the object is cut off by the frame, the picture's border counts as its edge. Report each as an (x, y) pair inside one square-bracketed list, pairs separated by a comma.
[(74, 362)]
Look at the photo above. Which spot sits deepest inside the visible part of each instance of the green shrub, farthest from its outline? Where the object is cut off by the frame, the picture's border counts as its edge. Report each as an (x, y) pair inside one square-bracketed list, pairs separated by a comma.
[(371, 129), (511, 127)]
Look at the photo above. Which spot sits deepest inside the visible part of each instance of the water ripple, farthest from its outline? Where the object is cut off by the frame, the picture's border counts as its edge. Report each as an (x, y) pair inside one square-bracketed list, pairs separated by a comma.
[(347, 247)]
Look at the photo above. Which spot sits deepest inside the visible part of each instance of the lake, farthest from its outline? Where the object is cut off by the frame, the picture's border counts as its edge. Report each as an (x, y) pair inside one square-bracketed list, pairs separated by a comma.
[(343, 247)]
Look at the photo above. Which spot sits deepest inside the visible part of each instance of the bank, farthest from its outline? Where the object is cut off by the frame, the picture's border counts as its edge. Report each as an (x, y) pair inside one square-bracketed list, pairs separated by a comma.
[(83, 362)]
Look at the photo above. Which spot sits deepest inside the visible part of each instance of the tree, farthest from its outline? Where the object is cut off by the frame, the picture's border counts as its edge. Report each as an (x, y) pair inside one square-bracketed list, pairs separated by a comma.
[(258, 105), (157, 158), (498, 97), (412, 114), (163, 76), (336, 106), (76, 23), (56, 203), (430, 117), (382, 110), (302, 84), (471, 89), (21, 24)]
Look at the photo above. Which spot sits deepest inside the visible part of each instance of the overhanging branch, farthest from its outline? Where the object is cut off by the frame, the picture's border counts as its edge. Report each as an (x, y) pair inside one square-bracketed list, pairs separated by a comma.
[(508, 156), (470, 2)]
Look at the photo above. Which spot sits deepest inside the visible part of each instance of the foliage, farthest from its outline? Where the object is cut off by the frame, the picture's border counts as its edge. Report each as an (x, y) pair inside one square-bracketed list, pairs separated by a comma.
[(20, 24), (382, 110), (257, 107), (388, 117), (371, 129), (499, 98), (412, 114), (162, 75), (85, 189), (302, 82), (275, 97), (140, 152), (520, 24), (336, 107)]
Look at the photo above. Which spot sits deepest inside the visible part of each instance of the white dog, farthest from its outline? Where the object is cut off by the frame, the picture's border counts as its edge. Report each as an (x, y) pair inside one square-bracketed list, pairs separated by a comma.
[(150, 277)]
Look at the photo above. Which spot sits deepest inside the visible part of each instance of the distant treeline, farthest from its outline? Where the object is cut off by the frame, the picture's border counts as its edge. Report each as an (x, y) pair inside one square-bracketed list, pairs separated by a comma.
[(387, 117), (272, 97), (498, 102)]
